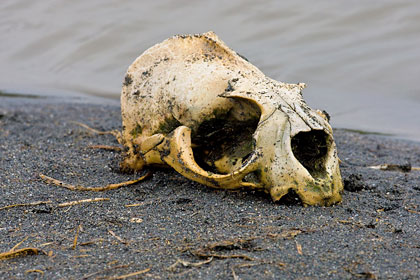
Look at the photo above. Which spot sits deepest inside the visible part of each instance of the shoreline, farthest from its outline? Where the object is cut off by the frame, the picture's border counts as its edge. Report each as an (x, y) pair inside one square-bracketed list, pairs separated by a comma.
[(169, 227), (108, 100)]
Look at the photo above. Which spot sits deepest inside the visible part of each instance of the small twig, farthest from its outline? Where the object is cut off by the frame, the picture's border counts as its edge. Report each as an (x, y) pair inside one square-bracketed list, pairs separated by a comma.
[(106, 147), (115, 133), (117, 237), (71, 203), (298, 248), (132, 274), (135, 205), (188, 264), (353, 223), (76, 236), (287, 234), (142, 203), (26, 204), (235, 277), (260, 262), (364, 275), (20, 253), (104, 270), (17, 245), (109, 132), (91, 242), (59, 183), (218, 256), (34, 270), (81, 256), (136, 220), (411, 210), (395, 167), (46, 244)]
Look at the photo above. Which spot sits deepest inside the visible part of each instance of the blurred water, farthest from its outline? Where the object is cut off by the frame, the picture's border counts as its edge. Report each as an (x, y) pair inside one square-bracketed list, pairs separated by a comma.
[(360, 59)]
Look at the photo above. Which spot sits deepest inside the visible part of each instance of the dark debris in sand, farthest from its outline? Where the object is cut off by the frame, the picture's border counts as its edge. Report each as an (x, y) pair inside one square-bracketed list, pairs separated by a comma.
[(168, 227)]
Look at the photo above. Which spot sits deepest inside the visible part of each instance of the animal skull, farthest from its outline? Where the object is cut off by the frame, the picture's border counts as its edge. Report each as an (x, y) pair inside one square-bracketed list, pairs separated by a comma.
[(194, 104)]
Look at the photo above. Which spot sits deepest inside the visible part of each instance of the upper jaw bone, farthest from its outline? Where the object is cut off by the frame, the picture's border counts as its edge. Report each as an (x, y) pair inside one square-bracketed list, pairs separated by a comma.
[(181, 158)]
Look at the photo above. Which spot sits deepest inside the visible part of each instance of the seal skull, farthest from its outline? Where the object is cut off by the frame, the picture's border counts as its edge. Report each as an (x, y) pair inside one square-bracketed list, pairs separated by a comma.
[(195, 105)]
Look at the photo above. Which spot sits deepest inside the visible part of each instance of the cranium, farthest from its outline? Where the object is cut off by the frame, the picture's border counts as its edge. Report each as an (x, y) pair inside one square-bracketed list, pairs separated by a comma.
[(197, 106)]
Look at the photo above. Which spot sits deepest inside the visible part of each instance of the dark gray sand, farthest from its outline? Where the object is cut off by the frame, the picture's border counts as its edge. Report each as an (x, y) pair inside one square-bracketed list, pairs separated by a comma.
[(182, 230)]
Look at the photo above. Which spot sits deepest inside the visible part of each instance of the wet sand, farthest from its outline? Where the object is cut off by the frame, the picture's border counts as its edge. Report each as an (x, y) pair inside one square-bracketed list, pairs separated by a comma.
[(168, 227)]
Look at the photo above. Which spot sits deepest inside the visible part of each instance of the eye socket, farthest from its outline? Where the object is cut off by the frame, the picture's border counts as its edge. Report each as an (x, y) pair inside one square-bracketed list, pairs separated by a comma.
[(223, 143), (310, 149)]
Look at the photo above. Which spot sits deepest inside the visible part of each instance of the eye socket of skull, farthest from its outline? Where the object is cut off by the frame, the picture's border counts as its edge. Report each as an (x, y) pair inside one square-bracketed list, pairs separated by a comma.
[(311, 149), (222, 143)]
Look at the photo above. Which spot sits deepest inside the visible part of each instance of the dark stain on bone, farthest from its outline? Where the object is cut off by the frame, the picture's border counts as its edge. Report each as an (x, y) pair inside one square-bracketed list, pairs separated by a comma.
[(128, 80), (229, 88), (136, 131), (327, 116), (243, 57), (168, 125)]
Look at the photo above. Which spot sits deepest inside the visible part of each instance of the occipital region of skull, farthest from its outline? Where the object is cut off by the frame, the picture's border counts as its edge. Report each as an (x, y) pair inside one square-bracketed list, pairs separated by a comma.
[(194, 104)]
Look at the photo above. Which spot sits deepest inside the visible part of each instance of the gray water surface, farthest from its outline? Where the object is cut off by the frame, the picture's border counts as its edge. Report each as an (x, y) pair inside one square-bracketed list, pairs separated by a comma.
[(360, 59)]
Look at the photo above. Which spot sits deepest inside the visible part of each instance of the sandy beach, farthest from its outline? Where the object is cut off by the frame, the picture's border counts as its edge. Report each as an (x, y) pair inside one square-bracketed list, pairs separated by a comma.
[(167, 227)]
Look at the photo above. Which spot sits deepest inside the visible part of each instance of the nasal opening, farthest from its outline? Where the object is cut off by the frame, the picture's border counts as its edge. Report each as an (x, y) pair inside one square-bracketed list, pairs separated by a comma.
[(310, 148)]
